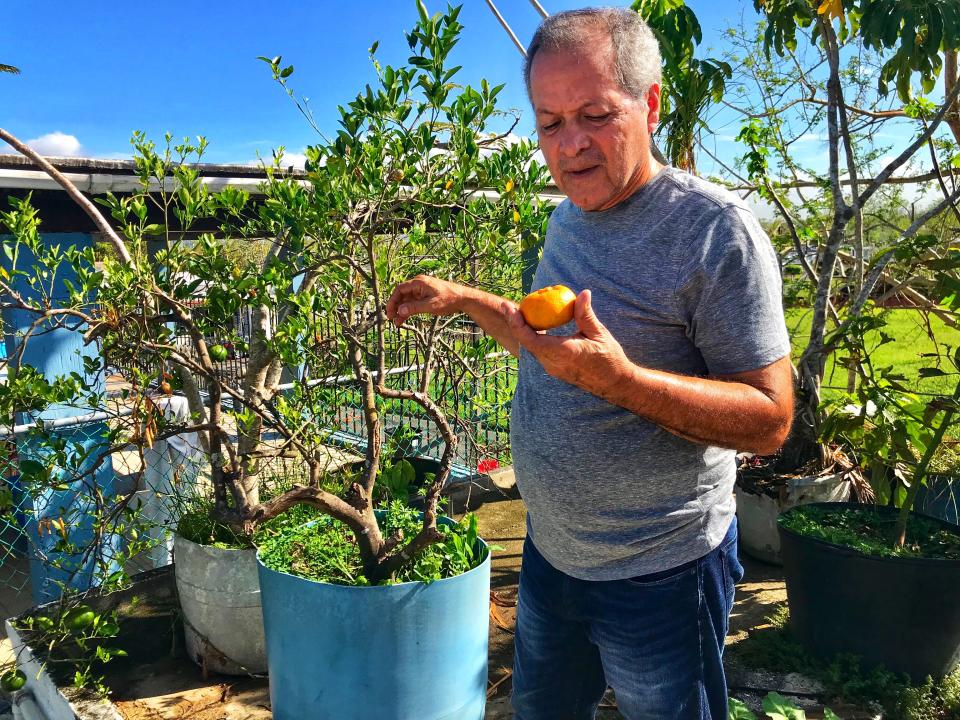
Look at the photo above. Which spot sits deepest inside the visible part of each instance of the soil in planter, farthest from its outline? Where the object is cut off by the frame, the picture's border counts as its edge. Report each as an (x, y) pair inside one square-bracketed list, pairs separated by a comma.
[(871, 532), (157, 680), (144, 632), (326, 551)]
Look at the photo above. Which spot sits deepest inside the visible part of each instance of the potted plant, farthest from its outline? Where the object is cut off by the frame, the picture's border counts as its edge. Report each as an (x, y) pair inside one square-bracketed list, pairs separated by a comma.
[(879, 580), (411, 182)]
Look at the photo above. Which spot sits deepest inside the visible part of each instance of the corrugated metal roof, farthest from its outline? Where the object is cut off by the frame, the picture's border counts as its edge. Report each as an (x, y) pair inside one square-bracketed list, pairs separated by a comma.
[(128, 167), (95, 176)]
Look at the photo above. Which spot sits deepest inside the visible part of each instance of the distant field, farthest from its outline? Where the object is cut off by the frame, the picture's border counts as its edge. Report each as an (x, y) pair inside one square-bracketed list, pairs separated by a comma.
[(910, 342)]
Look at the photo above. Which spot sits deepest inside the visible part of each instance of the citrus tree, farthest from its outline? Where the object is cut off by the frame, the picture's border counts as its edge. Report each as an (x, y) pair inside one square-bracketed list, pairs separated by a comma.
[(411, 181)]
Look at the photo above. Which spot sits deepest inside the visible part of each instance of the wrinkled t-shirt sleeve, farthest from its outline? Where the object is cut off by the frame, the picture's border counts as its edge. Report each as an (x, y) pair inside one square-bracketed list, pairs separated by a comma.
[(730, 295)]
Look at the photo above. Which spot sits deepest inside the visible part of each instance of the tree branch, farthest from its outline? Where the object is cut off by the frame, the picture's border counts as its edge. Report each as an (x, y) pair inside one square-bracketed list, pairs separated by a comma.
[(88, 207)]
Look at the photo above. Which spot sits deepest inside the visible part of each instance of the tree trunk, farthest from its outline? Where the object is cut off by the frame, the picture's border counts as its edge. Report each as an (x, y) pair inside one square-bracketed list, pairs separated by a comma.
[(950, 79)]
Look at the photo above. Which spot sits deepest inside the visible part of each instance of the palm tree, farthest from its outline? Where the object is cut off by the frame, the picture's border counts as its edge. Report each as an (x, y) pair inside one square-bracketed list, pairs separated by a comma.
[(9, 69)]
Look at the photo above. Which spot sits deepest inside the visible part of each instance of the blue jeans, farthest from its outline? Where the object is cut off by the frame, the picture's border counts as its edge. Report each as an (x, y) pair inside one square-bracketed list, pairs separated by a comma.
[(657, 640)]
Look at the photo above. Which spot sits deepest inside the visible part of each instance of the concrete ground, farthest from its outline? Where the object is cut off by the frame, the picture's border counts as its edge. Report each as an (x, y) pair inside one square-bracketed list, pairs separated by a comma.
[(174, 688)]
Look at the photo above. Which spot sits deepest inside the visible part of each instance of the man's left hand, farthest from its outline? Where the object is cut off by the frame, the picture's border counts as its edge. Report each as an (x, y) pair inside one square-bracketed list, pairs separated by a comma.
[(592, 359)]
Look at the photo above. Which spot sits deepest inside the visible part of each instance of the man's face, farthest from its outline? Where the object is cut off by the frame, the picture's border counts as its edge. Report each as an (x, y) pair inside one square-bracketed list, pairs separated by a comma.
[(594, 136)]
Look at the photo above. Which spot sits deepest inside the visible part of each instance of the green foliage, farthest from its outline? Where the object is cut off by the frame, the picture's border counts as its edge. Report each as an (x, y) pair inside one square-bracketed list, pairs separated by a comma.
[(401, 188), (736, 710), (845, 679), (775, 707), (326, 552), (917, 340), (911, 34), (396, 479), (690, 85), (917, 33), (932, 699), (76, 639), (12, 680), (871, 532), (198, 526)]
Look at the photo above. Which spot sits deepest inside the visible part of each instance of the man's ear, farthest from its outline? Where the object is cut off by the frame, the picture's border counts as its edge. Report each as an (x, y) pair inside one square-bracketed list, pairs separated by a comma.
[(653, 107)]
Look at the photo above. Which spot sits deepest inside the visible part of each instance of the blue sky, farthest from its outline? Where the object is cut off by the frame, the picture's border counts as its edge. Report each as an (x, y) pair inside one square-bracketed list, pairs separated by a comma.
[(95, 72)]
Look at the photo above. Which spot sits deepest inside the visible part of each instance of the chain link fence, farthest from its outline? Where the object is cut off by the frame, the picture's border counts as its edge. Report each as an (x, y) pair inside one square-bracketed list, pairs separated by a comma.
[(14, 567), (473, 386), (55, 496)]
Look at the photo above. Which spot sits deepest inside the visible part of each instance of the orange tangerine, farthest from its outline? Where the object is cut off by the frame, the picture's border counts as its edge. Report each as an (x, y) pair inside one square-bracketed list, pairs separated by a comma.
[(548, 307)]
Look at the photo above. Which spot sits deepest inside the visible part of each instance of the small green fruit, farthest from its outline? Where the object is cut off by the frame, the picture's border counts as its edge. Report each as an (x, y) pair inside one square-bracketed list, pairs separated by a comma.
[(12, 681), (78, 618), (218, 353)]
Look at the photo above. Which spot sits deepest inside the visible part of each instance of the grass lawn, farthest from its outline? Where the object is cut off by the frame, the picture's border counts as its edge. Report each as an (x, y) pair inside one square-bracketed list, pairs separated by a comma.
[(904, 354)]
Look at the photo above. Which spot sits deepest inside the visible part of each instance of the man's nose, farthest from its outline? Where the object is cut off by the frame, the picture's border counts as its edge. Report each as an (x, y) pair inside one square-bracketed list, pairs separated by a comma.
[(574, 140)]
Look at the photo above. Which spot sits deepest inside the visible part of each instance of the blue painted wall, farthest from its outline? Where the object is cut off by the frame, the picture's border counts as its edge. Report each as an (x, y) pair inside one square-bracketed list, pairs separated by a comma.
[(58, 352)]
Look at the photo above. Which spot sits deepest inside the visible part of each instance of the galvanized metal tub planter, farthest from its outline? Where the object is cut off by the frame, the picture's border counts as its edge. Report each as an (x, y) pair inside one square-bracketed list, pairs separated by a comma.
[(220, 597), (410, 651), (900, 612)]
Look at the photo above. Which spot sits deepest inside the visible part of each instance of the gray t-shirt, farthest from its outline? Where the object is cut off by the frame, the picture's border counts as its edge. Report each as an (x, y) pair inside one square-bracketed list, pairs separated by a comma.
[(685, 279)]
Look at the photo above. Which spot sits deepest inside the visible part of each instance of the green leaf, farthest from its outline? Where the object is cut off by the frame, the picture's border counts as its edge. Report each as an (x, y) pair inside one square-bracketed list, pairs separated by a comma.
[(31, 468), (6, 499), (777, 707), (736, 710), (407, 472)]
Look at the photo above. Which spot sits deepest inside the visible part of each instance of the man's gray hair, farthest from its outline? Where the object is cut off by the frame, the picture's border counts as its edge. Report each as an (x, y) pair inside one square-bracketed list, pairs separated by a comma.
[(636, 64)]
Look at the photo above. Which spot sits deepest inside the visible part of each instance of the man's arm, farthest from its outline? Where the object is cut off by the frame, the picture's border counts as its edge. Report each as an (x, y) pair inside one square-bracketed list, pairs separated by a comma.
[(749, 411), (424, 294)]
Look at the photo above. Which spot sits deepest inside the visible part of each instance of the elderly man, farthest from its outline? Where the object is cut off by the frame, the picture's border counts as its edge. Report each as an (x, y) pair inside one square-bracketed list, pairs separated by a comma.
[(624, 426)]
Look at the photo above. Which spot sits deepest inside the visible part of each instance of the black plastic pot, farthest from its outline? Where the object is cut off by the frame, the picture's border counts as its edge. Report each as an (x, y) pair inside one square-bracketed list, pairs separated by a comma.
[(903, 613)]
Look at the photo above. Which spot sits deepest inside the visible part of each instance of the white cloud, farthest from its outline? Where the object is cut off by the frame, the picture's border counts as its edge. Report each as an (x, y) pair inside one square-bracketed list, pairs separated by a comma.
[(57, 144), (298, 160), (295, 159)]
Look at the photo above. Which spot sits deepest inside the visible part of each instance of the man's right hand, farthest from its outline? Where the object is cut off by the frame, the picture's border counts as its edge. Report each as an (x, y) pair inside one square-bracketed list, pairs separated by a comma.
[(432, 296), (425, 295)]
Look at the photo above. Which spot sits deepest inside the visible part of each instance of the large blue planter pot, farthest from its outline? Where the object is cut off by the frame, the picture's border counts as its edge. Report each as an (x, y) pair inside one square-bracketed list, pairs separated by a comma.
[(411, 651)]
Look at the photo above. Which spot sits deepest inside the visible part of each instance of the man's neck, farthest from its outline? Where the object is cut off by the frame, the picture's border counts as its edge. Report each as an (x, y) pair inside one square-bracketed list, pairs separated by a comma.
[(643, 174)]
